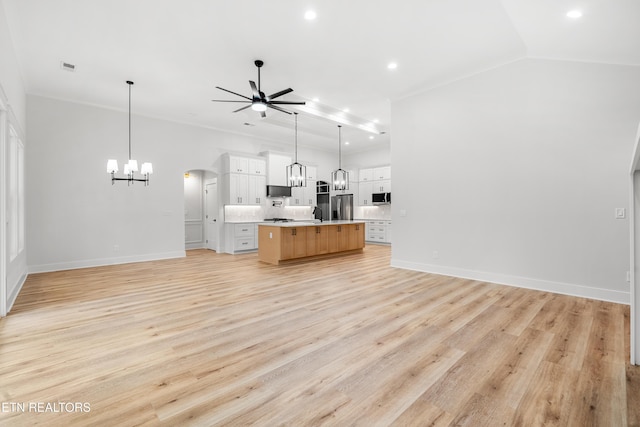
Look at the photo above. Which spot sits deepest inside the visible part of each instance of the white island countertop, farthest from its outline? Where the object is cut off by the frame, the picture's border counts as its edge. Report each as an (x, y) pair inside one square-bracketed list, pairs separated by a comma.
[(309, 223)]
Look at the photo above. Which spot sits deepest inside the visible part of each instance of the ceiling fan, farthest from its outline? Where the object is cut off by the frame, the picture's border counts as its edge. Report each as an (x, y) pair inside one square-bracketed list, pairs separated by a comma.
[(258, 101)]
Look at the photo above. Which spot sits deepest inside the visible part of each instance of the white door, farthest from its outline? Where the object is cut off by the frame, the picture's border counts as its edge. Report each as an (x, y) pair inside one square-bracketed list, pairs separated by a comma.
[(211, 215)]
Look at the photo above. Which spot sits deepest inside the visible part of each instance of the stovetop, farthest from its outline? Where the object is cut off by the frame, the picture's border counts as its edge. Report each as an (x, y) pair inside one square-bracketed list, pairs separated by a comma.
[(278, 220)]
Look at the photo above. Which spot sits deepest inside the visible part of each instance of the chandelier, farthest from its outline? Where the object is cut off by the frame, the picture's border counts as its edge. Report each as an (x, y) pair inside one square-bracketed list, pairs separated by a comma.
[(132, 165), (296, 173), (340, 177)]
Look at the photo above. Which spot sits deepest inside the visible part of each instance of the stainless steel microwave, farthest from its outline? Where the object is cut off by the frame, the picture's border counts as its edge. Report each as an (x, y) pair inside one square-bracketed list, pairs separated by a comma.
[(381, 198)]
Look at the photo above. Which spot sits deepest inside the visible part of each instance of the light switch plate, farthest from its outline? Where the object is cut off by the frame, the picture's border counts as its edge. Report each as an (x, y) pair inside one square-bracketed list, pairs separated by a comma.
[(621, 213)]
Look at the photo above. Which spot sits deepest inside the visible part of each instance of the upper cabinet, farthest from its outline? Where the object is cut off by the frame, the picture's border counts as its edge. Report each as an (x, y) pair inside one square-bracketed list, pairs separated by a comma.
[(243, 180), (232, 163), (373, 180)]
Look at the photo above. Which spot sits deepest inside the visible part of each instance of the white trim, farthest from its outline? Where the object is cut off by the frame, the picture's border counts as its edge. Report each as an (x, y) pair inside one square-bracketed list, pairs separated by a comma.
[(72, 265), (3, 206), (14, 294), (518, 281), (634, 320)]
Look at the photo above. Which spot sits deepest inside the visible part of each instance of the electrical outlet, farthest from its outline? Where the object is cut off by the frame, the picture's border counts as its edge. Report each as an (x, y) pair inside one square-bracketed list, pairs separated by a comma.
[(116, 248), (436, 255)]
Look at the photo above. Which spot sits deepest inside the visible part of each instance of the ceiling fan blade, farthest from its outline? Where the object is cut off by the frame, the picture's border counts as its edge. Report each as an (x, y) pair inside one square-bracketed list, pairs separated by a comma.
[(288, 102), (226, 100), (227, 90), (254, 89), (242, 108), (282, 92), (278, 108)]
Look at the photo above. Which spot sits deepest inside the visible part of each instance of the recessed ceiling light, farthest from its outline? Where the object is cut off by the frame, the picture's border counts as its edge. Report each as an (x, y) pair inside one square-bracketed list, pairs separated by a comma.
[(392, 66), (346, 110), (316, 99), (346, 143), (310, 15), (370, 136), (574, 14)]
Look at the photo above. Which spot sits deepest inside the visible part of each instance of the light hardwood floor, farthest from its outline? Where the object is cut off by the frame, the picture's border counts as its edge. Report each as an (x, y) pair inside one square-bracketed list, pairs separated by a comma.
[(215, 339)]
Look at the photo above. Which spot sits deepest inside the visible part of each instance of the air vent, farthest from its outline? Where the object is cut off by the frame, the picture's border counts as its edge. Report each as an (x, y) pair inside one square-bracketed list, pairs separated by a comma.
[(67, 66)]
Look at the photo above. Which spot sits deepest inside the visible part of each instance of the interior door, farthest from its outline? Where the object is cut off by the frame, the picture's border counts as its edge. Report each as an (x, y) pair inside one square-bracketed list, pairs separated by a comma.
[(211, 215)]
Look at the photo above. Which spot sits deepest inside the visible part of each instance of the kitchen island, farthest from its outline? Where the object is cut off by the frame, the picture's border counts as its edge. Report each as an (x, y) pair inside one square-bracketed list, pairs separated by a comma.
[(287, 241)]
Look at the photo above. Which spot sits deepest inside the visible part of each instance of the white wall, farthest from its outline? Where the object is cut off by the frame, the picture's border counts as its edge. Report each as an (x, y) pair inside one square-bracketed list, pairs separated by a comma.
[(76, 218), (513, 176)]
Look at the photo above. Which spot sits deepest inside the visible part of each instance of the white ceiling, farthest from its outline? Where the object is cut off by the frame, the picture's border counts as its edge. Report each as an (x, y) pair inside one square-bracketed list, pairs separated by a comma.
[(176, 52)]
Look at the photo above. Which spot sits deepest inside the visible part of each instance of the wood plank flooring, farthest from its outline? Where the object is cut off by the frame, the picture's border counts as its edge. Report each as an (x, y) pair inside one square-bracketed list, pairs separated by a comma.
[(215, 339)]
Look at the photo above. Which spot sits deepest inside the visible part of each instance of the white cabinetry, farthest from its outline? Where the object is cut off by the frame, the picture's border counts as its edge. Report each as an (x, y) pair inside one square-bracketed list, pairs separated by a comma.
[(378, 231), (365, 189), (241, 237), (373, 180), (238, 191), (244, 180)]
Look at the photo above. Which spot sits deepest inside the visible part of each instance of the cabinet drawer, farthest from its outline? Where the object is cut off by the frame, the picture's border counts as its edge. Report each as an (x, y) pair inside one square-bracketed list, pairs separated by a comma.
[(244, 230), (244, 243)]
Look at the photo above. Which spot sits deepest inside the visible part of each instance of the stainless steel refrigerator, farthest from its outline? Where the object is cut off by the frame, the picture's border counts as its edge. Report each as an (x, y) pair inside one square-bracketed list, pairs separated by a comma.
[(342, 207)]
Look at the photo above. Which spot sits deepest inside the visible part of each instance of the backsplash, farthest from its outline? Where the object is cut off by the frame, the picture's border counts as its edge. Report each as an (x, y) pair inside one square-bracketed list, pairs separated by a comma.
[(382, 212), (233, 213)]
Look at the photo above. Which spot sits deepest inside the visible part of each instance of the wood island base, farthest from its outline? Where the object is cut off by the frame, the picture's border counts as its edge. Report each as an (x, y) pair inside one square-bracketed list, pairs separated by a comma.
[(278, 244)]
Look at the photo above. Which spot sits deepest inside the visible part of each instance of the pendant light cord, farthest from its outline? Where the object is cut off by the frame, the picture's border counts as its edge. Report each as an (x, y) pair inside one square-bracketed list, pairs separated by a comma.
[(129, 83), (296, 140), (339, 147)]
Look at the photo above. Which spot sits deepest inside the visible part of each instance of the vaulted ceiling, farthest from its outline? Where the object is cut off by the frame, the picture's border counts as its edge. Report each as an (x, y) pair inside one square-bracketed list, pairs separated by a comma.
[(177, 52)]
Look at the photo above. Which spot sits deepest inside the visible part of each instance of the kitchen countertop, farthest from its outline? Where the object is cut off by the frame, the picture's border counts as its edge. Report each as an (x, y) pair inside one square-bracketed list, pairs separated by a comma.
[(309, 223)]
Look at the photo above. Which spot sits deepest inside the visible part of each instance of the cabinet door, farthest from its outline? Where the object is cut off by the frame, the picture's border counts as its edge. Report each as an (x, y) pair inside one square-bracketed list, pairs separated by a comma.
[(238, 189), (297, 196), (294, 242), (382, 173), (309, 194), (364, 193), (311, 174), (382, 186), (343, 233), (356, 236), (257, 167), (366, 175), (238, 164), (332, 234), (257, 189)]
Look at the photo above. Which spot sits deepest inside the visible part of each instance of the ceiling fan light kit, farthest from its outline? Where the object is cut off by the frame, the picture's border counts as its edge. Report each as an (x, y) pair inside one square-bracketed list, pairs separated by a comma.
[(259, 101), (296, 173), (132, 165)]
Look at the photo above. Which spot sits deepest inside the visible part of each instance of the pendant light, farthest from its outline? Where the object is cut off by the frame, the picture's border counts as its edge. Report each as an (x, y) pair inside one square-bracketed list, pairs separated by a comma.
[(132, 165), (296, 173), (340, 177)]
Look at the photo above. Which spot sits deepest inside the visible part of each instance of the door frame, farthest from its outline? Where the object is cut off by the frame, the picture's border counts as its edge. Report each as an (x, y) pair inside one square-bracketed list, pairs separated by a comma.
[(3, 209), (634, 235)]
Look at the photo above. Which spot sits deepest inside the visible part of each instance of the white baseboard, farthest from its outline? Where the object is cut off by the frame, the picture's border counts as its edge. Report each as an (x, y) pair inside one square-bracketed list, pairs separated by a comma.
[(520, 282), (72, 265), (11, 298)]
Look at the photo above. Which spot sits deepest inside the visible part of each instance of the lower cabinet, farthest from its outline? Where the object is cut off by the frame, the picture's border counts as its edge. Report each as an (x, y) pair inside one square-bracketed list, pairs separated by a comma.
[(241, 237), (378, 231)]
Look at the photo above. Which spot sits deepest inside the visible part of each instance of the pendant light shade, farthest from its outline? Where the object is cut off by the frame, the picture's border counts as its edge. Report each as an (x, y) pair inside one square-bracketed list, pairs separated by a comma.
[(296, 173), (340, 177), (132, 165)]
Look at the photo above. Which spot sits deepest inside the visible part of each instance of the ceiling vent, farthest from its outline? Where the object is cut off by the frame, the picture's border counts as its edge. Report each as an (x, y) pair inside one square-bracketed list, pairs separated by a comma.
[(67, 66)]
